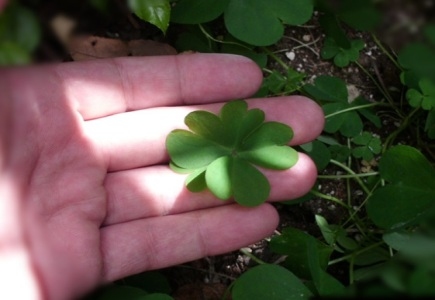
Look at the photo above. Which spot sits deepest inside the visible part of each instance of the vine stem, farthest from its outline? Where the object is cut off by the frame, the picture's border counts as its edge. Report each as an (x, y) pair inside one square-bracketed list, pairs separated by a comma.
[(252, 256)]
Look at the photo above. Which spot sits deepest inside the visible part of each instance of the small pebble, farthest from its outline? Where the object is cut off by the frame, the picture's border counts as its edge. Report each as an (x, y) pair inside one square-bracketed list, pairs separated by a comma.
[(290, 55)]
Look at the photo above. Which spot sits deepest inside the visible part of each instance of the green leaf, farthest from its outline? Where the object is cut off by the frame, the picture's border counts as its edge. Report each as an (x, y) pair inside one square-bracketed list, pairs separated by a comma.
[(269, 282), (429, 33), (156, 12), (412, 244), (342, 56), (260, 23), (20, 34), (330, 232), (197, 11), (369, 146), (294, 243), (207, 125), (250, 186), (340, 114), (361, 15), (103, 6), (280, 84), (268, 134), (371, 257), (232, 45), (195, 182), (339, 152), (318, 152), (158, 296), (428, 89), (421, 283), (348, 123), (219, 178), (190, 151), (239, 122), (193, 39), (325, 284), (150, 281), (418, 61), (13, 54), (116, 292), (272, 157), (409, 197), (328, 88), (367, 113), (332, 29), (220, 151)]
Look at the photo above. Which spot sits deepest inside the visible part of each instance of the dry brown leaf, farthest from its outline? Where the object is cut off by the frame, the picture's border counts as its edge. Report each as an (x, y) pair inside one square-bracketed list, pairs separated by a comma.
[(149, 48), (94, 47)]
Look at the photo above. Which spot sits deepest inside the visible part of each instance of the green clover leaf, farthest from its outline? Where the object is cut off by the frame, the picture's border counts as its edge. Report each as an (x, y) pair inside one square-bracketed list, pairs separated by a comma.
[(425, 98), (221, 152), (341, 115), (369, 146), (342, 56)]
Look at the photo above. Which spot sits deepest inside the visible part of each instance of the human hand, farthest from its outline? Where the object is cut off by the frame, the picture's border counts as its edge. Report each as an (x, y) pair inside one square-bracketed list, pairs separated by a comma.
[(87, 194)]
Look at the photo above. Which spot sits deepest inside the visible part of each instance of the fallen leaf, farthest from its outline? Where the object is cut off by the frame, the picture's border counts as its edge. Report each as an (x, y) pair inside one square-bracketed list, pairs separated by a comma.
[(94, 47), (86, 47)]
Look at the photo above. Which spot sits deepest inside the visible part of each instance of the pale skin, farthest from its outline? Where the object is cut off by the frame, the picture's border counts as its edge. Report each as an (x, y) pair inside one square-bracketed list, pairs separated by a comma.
[(87, 196)]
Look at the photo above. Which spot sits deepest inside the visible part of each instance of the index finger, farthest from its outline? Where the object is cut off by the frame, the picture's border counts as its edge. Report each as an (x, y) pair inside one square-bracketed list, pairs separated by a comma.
[(104, 87)]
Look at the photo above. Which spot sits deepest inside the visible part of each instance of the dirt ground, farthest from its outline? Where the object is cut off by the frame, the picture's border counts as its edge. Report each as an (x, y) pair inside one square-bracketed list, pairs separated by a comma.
[(208, 278)]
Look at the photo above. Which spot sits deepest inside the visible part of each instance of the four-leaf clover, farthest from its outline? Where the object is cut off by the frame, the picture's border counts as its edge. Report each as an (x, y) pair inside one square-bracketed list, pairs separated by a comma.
[(221, 152)]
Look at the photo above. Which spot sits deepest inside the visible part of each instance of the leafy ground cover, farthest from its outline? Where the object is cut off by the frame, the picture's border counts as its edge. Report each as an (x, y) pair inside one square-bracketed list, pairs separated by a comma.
[(366, 228)]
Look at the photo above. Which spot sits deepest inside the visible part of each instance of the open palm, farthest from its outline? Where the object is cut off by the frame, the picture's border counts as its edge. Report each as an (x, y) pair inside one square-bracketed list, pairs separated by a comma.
[(87, 194)]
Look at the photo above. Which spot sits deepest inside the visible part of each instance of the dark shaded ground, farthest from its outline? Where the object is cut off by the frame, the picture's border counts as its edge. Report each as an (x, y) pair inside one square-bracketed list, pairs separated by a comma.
[(208, 278)]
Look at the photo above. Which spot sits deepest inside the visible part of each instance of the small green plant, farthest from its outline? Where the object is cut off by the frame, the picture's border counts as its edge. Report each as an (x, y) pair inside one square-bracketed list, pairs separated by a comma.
[(361, 15), (342, 114), (342, 56), (220, 152)]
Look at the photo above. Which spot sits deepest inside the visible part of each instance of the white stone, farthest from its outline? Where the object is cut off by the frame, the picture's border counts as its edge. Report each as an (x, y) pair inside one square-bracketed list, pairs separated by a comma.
[(306, 38), (290, 55)]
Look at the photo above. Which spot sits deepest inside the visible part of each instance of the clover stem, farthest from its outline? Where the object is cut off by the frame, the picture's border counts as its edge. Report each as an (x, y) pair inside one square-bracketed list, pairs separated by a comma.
[(252, 256), (350, 171), (275, 57), (356, 253), (352, 108), (369, 174), (329, 198)]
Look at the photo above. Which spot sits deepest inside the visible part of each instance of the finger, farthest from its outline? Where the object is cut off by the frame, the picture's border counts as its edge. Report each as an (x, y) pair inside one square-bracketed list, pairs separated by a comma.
[(155, 243), (104, 87), (158, 191), (137, 139)]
